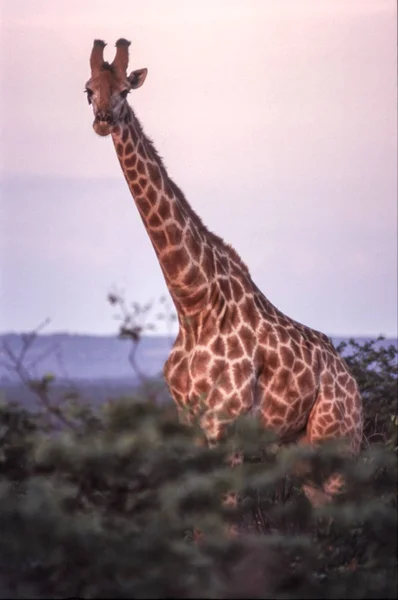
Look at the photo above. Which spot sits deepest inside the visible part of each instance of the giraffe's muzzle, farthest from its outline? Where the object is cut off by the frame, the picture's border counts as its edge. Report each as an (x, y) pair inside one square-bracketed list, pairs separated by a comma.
[(103, 123)]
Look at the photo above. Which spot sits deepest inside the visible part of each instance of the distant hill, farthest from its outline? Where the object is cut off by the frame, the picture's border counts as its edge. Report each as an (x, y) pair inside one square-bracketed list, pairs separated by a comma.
[(88, 357), (91, 357)]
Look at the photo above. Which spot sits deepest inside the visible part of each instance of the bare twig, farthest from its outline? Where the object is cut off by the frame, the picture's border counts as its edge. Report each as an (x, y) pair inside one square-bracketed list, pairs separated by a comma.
[(16, 364)]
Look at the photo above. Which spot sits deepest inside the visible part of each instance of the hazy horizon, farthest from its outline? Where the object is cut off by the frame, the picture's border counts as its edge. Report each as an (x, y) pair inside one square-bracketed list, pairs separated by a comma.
[(277, 120)]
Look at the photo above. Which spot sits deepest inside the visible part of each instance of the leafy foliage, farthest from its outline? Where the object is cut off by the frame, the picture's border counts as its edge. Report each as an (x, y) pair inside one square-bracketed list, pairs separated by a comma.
[(102, 504), (375, 368)]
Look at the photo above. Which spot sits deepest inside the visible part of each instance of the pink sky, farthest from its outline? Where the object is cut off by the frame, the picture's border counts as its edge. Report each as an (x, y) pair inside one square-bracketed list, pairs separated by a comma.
[(277, 119)]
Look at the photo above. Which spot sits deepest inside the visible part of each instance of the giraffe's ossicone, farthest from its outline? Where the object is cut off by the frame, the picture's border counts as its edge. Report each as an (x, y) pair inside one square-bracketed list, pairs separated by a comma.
[(235, 352)]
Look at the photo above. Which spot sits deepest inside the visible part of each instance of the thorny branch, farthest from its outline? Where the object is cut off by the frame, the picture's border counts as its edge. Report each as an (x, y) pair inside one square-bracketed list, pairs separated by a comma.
[(134, 324), (16, 363)]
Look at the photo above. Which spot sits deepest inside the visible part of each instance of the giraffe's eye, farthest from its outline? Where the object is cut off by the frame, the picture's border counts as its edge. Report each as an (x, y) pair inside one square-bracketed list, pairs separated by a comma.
[(124, 93), (89, 94)]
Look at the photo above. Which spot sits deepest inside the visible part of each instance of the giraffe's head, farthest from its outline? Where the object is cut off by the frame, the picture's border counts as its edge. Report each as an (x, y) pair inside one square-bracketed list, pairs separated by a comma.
[(109, 85)]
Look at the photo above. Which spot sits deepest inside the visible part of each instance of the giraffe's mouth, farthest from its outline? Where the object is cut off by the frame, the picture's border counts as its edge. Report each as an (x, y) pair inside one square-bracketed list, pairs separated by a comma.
[(102, 128)]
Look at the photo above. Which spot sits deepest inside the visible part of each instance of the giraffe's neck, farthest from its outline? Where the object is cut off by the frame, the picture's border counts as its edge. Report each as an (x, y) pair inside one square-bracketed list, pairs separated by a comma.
[(187, 252)]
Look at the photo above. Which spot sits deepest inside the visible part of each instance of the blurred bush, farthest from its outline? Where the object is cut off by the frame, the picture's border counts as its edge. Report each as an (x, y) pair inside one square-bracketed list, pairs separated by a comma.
[(104, 506)]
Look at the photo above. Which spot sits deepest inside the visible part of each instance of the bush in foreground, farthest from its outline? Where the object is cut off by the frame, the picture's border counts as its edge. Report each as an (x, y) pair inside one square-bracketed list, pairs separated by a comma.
[(105, 508)]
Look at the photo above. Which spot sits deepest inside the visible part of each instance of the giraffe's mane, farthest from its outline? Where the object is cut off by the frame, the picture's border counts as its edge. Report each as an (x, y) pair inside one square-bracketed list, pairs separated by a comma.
[(214, 239)]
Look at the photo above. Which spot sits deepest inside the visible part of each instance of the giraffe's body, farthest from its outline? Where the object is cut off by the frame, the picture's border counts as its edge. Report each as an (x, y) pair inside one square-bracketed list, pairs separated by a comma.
[(235, 352)]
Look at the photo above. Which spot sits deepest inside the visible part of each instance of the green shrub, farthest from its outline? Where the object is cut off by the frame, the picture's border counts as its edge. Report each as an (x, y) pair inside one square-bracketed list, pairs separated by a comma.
[(105, 506)]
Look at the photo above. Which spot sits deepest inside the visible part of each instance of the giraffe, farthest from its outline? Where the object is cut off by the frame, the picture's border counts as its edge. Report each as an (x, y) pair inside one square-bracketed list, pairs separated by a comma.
[(235, 352)]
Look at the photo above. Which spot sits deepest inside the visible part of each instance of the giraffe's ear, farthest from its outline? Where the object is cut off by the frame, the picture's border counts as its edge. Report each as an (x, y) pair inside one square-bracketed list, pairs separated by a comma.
[(137, 78)]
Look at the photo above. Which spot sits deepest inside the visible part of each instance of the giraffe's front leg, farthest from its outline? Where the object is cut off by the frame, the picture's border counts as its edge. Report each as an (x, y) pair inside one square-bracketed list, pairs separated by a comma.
[(214, 423)]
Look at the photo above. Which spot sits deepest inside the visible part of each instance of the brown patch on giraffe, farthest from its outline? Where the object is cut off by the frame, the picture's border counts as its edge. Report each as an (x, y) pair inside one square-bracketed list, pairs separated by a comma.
[(141, 167), (350, 404), (132, 174), (142, 182), (195, 299), (189, 343), (178, 355), (215, 296), (272, 360), (322, 421), (154, 175), (119, 149), (174, 234), (237, 290), (219, 368), (327, 379), (295, 334), (151, 194), (164, 207), (192, 276), (135, 188), (200, 363), (219, 267), (144, 206), (158, 237), (283, 335), (307, 355), (287, 357), (218, 347), (332, 430), (338, 390), (125, 135), (242, 371), (249, 312), (326, 407), (351, 387), (233, 406), (224, 323), (282, 381), (116, 130), (275, 406), (128, 149), (235, 349), (130, 162), (299, 366), (225, 288), (305, 381), (202, 386), (215, 398), (247, 339), (193, 245), (224, 382), (338, 411), (272, 341), (343, 379), (178, 377), (262, 333), (207, 262), (154, 220), (175, 260), (306, 403), (296, 349)]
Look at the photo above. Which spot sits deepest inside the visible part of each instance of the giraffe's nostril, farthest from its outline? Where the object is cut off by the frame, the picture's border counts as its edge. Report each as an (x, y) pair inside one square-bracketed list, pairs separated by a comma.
[(103, 118)]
